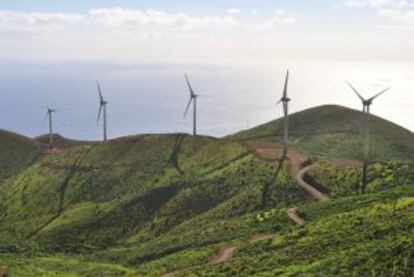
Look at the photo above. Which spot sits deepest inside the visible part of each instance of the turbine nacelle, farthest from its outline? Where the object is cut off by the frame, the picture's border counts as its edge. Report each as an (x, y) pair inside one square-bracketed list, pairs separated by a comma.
[(285, 99), (50, 110)]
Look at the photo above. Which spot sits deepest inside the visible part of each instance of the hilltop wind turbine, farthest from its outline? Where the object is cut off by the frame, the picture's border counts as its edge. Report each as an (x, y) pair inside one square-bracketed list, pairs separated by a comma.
[(193, 98), (285, 101), (366, 104), (49, 113), (102, 106)]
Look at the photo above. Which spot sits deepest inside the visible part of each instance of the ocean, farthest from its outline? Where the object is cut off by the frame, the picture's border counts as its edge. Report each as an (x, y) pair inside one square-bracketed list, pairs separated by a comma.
[(151, 98)]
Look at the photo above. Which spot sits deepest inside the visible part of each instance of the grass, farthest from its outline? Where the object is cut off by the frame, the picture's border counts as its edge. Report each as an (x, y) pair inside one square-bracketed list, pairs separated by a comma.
[(335, 132), (17, 152), (60, 265), (373, 240)]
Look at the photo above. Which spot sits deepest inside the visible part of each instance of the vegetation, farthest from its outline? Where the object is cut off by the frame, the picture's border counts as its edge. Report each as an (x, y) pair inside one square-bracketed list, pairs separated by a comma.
[(151, 204)]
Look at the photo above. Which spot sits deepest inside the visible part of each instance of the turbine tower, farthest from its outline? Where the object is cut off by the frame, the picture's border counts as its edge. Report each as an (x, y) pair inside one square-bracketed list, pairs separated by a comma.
[(49, 116), (366, 105), (102, 106), (285, 101), (193, 98)]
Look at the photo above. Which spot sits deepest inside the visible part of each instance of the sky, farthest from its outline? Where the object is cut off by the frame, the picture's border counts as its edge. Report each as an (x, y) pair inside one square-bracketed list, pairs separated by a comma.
[(207, 30)]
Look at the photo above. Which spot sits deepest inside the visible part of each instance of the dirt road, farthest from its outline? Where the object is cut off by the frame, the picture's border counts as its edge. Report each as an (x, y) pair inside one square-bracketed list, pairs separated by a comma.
[(292, 214), (223, 255), (314, 192)]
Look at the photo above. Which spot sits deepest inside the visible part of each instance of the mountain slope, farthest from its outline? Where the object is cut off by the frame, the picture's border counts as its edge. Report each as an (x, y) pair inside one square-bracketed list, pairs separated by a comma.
[(16, 153), (60, 142), (335, 131)]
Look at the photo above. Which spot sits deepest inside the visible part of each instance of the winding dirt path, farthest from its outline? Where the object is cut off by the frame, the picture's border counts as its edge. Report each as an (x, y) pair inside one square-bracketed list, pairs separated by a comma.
[(293, 214), (296, 161), (223, 255), (259, 237), (310, 189)]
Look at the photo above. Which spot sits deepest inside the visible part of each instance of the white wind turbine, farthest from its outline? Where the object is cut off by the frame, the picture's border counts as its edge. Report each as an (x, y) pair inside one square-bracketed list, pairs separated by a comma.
[(285, 101), (366, 104), (193, 99), (102, 107), (49, 114)]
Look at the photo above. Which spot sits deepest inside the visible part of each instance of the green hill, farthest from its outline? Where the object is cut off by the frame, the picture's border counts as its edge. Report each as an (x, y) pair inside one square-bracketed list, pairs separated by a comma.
[(151, 204), (335, 131), (60, 141), (16, 153)]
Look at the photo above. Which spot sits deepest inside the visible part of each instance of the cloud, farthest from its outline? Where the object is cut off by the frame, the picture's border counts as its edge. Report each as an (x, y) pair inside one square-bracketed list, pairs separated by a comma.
[(398, 11), (138, 34), (399, 16), (378, 3), (99, 20), (17, 23), (234, 11), (148, 23), (280, 17), (130, 18)]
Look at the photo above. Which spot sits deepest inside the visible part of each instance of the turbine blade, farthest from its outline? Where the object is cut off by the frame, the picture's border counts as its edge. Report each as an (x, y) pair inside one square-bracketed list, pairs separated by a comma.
[(286, 85), (188, 106), (46, 116), (357, 93), (378, 94), (189, 86), (278, 102), (99, 113), (99, 91)]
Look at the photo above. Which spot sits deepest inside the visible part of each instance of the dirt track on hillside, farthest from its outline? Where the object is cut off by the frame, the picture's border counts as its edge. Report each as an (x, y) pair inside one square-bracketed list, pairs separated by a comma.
[(223, 255), (292, 214), (309, 188), (296, 161)]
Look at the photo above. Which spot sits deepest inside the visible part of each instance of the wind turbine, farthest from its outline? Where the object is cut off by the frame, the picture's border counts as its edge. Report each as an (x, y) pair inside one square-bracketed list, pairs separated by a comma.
[(49, 116), (366, 105), (193, 98), (102, 106), (285, 101)]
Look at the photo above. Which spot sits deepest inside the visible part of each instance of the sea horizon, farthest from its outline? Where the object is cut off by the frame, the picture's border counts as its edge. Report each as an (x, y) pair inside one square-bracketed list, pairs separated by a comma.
[(150, 98)]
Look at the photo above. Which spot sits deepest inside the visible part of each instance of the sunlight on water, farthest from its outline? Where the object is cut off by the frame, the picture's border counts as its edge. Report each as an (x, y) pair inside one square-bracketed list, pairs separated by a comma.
[(152, 98)]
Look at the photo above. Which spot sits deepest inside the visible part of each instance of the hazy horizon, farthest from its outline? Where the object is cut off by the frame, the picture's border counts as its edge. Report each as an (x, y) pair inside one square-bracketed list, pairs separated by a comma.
[(150, 98)]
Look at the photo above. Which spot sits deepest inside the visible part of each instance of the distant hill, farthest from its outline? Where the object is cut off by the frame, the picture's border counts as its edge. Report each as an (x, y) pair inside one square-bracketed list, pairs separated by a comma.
[(336, 131), (60, 141), (16, 152)]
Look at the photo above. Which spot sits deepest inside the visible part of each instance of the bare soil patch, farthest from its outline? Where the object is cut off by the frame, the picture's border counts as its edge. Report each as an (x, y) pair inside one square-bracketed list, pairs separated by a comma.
[(222, 255)]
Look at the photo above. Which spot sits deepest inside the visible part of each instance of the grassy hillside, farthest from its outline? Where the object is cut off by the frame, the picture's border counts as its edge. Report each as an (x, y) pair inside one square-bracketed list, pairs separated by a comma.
[(335, 131), (150, 204), (60, 141), (354, 236), (16, 153)]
